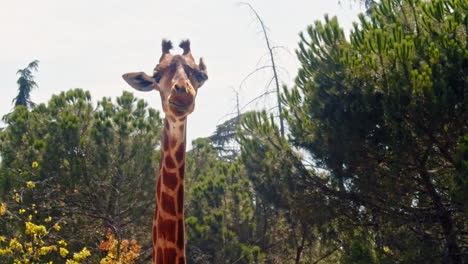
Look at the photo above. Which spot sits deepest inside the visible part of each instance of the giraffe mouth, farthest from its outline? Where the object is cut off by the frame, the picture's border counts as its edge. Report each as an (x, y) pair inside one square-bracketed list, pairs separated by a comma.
[(179, 107)]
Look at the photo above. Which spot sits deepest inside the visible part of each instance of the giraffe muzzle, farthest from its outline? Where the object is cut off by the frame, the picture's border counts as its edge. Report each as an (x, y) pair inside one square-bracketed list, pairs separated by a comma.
[(179, 106)]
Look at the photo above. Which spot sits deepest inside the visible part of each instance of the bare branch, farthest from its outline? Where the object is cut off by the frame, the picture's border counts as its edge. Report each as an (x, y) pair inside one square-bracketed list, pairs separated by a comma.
[(256, 98), (270, 50)]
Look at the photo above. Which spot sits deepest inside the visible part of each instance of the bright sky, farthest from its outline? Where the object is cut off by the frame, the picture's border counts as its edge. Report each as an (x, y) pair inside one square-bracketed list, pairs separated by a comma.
[(89, 44)]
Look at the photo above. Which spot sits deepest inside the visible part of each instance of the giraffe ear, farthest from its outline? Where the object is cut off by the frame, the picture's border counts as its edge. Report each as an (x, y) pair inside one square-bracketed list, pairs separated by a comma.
[(202, 65), (202, 74), (141, 81)]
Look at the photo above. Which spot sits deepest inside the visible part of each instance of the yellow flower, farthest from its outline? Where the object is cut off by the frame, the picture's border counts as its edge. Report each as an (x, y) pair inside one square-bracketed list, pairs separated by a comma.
[(63, 252), (17, 197), (35, 164), (14, 244), (29, 217), (5, 251), (30, 184), (3, 208), (84, 253), (2, 239), (45, 250), (21, 211), (57, 227), (48, 219), (62, 243), (35, 229), (387, 250)]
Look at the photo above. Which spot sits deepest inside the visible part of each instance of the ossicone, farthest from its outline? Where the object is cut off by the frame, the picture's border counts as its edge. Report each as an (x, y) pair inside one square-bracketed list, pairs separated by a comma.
[(166, 46), (185, 45)]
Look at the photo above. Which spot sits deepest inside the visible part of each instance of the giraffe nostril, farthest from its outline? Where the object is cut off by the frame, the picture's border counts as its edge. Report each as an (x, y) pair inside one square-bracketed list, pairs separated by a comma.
[(179, 88)]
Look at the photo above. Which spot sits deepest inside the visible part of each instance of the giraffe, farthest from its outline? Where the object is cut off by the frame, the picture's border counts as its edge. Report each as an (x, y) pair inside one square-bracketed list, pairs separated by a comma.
[(177, 78)]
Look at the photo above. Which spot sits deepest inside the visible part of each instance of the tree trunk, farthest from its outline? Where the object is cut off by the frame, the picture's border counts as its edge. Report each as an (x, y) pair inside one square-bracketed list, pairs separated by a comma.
[(299, 250), (453, 251)]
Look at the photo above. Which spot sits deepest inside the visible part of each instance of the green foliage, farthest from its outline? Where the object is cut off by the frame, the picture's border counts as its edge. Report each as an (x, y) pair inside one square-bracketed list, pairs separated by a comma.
[(220, 210), (359, 254), (223, 139), (375, 150), (385, 111), (25, 85), (297, 219), (86, 163)]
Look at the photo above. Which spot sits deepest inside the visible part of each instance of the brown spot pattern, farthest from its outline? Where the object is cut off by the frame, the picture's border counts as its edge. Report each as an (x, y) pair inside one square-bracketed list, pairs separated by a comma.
[(182, 170), (155, 234), (158, 188), (169, 179), (170, 255), (167, 230), (180, 199), (160, 256), (180, 153), (169, 162), (166, 141), (180, 234), (167, 203)]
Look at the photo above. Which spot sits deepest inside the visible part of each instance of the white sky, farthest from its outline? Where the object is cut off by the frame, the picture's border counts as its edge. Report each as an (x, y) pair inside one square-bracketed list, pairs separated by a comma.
[(89, 44)]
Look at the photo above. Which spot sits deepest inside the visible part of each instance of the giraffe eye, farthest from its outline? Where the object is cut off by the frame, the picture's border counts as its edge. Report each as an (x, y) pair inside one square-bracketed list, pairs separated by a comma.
[(157, 77), (200, 76)]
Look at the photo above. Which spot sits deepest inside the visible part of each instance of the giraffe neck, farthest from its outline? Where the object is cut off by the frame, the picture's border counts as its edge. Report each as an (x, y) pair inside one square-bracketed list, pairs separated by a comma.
[(168, 221)]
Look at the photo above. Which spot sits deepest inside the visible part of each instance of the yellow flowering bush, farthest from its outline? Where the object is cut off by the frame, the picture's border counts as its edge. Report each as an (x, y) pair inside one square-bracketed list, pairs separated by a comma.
[(35, 236), (33, 240), (34, 246)]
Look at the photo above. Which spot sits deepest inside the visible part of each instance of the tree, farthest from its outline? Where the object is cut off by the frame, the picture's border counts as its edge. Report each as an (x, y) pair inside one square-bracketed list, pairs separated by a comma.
[(26, 84), (221, 224), (223, 139), (86, 162), (384, 114), (299, 220), (376, 151)]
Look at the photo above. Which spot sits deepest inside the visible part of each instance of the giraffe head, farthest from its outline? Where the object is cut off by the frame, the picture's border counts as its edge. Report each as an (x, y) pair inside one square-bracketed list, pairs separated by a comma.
[(176, 77)]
